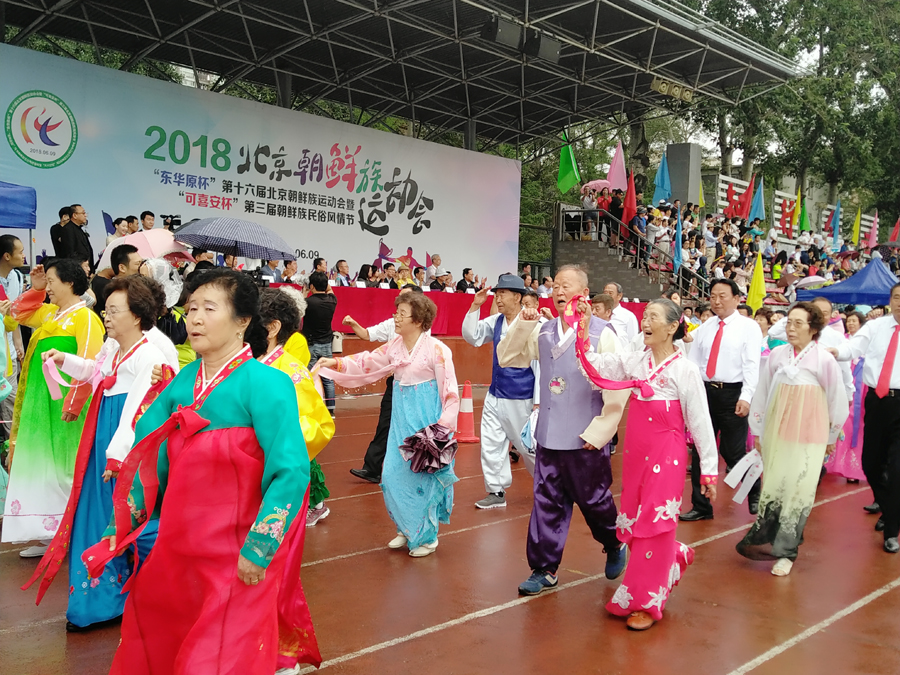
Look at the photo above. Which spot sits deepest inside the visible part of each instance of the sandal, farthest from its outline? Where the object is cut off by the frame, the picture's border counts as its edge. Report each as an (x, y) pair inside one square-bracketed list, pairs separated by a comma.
[(783, 567)]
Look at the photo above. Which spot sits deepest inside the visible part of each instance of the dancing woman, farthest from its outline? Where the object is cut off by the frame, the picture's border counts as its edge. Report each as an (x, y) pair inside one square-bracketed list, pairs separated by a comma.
[(121, 373), (231, 471), (425, 392), (668, 396)]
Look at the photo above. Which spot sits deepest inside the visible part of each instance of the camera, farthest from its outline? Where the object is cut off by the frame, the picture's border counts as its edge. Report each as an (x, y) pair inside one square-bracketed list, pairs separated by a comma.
[(171, 222)]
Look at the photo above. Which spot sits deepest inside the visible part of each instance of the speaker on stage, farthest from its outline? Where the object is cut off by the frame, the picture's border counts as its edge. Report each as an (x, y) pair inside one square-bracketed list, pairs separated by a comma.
[(502, 31), (538, 44)]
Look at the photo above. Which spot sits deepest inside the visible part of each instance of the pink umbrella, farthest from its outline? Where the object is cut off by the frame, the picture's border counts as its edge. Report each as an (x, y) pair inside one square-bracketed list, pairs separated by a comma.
[(597, 185), (150, 244), (808, 282)]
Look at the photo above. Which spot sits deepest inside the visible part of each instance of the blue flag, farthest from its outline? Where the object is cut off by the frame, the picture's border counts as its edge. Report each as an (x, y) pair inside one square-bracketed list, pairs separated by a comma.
[(676, 254), (836, 226), (663, 186), (758, 207)]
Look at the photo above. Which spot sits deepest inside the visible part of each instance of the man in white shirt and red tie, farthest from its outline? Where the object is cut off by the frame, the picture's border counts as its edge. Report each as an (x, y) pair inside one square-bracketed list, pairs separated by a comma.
[(878, 342), (727, 351)]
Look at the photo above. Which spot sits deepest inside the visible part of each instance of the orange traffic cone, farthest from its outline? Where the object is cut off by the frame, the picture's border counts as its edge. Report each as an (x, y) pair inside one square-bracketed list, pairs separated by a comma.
[(465, 425)]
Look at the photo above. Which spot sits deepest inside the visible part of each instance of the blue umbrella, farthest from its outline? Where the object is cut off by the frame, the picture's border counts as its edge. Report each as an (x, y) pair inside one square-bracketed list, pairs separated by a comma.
[(235, 237)]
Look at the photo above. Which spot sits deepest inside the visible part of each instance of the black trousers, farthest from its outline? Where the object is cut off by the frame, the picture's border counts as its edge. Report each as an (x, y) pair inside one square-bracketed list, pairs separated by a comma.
[(881, 456), (732, 432), (378, 446)]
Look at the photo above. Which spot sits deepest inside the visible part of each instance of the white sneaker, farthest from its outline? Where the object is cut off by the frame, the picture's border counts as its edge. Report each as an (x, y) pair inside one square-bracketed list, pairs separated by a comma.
[(288, 671), (34, 551), (424, 549), (398, 542), (314, 515)]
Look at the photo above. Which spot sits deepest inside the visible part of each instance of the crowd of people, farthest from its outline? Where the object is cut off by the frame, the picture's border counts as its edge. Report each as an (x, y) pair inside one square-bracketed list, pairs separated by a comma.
[(125, 474)]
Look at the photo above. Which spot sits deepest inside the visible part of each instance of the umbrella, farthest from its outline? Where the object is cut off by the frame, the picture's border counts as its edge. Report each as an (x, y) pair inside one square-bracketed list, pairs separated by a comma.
[(150, 244), (236, 237), (429, 449), (809, 282), (786, 280), (854, 255), (597, 185)]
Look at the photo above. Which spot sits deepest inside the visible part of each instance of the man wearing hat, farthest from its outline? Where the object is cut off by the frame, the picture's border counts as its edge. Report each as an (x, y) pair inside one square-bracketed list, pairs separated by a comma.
[(511, 397), (440, 279)]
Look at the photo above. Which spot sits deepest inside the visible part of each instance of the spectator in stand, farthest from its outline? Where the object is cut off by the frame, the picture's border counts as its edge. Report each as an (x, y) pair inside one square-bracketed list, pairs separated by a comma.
[(745, 310), (343, 273), (404, 276), (121, 226), (778, 264), (769, 252), (435, 265), (419, 276), (534, 286), (546, 288), (12, 255), (148, 220), (603, 223), (601, 306), (704, 311), (230, 261), (441, 278), (134, 224), (291, 276), (616, 209), (690, 318), (124, 261), (623, 320), (320, 307), (467, 281), (589, 215), (76, 240), (56, 233), (270, 272), (390, 276)]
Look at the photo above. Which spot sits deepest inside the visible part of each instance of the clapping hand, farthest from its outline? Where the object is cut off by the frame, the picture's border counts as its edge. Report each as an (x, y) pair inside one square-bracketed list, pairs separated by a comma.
[(529, 314)]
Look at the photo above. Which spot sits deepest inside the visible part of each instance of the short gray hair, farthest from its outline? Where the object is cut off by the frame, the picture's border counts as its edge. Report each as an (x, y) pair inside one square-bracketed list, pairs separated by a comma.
[(619, 289), (582, 275)]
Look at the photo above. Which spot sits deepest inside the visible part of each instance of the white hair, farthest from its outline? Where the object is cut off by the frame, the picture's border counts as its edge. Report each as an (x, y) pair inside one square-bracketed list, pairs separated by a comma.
[(296, 296)]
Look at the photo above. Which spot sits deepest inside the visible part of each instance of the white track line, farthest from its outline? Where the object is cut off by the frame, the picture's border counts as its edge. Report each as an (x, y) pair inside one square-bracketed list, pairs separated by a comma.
[(19, 628), (812, 630), (572, 584)]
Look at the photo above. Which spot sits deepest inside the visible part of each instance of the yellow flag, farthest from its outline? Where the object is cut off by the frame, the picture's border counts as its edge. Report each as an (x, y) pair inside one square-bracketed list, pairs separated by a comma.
[(701, 202), (757, 285), (856, 227), (795, 216)]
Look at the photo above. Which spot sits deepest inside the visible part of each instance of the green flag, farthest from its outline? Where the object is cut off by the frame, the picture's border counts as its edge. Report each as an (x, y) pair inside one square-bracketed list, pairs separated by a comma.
[(804, 217), (568, 170)]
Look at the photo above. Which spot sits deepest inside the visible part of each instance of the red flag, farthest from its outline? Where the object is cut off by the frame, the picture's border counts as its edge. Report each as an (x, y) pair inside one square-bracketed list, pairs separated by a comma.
[(745, 201), (729, 197), (896, 231), (785, 221), (629, 210)]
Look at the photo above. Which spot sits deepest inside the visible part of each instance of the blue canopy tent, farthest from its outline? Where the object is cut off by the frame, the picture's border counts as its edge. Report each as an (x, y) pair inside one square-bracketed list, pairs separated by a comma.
[(870, 286), (18, 210)]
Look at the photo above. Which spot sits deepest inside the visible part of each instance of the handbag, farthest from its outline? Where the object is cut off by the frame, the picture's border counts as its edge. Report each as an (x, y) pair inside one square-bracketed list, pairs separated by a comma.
[(5, 388), (337, 343)]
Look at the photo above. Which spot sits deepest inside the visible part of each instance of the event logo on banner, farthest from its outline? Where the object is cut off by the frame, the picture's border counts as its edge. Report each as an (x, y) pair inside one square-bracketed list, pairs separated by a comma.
[(41, 129), (329, 188)]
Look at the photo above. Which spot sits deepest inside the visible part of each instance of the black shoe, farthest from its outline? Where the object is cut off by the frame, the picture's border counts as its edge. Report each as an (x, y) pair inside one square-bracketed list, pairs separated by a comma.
[(753, 506), (853, 481), (693, 515), (513, 456), (891, 545), (872, 508), (72, 628), (879, 525), (365, 475), (612, 450)]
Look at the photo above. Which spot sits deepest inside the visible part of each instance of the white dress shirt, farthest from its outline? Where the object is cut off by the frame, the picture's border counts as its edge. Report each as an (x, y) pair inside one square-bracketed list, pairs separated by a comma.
[(478, 331), (625, 323), (872, 341), (385, 331), (739, 352), (828, 338)]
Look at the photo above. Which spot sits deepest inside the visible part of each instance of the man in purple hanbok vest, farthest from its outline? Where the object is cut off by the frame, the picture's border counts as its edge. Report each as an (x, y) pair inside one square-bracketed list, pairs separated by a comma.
[(574, 427)]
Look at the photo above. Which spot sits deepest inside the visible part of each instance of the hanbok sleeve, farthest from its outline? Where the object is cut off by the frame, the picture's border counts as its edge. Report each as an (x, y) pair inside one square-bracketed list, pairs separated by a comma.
[(360, 369), (445, 375), (29, 308), (829, 374), (760, 401), (298, 347), (519, 347), (316, 422), (78, 368), (692, 396), (477, 331), (89, 340), (123, 438), (285, 471)]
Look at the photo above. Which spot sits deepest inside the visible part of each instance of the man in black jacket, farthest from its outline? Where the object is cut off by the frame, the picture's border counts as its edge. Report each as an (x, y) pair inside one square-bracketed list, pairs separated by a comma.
[(76, 239), (56, 232)]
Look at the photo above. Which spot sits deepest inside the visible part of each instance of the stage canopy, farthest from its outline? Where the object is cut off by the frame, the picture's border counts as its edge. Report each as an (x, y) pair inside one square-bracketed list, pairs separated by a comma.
[(545, 64), (870, 286)]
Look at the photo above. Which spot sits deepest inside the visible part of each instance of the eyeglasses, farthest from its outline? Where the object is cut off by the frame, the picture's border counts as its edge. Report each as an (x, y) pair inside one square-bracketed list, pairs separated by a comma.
[(797, 324), (398, 315), (112, 311)]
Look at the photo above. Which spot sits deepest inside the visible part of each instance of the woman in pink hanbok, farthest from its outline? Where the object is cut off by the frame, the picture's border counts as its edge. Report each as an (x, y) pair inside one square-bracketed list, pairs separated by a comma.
[(846, 460), (668, 396), (797, 412)]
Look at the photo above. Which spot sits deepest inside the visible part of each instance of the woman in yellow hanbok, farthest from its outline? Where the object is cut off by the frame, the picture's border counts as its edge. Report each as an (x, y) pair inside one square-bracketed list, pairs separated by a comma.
[(46, 432)]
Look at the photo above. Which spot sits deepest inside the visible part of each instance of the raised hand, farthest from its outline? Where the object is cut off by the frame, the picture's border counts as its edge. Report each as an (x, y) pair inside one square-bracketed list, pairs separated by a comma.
[(479, 298), (38, 278), (529, 314), (350, 321)]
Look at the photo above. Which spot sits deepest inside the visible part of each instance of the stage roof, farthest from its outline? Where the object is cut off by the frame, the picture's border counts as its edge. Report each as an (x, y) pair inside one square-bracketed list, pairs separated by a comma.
[(426, 60)]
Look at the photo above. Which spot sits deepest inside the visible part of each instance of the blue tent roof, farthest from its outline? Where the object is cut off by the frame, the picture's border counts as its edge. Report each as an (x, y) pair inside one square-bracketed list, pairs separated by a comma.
[(871, 286), (18, 206)]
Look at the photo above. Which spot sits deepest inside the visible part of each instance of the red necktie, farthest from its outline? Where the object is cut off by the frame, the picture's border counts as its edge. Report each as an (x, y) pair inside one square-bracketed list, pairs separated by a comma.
[(714, 352), (884, 380)]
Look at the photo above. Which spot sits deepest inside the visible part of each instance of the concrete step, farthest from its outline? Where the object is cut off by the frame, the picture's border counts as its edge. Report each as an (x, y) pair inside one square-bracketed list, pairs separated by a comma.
[(604, 265)]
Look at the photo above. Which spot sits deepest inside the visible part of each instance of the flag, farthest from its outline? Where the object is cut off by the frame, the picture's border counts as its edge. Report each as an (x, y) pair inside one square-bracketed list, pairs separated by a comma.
[(616, 176), (758, 208), (795, 215), (873, 233), (804, 217), (743, 206), (836, 226), (700, 201), (856, 223), (630, 207), (896, 231), (676, 254), (568, 176), (757, 292), (663, 186)]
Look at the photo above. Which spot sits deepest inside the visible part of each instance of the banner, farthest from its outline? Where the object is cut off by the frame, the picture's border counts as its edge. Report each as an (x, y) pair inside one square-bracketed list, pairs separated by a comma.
[(121, 144)]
